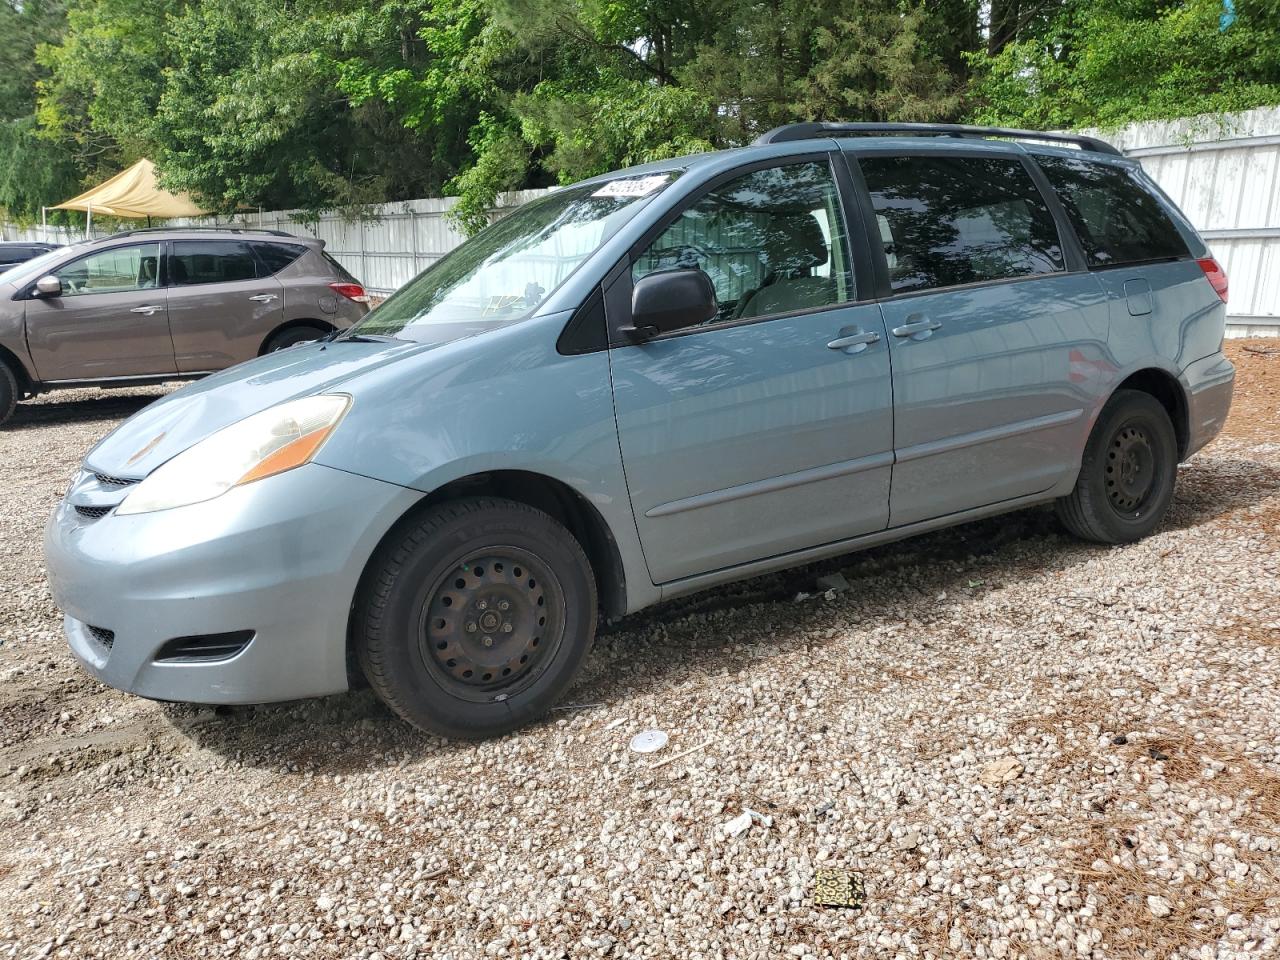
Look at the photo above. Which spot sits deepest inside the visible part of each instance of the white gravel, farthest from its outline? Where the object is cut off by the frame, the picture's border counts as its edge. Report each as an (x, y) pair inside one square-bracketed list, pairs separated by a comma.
[(1024, 746)]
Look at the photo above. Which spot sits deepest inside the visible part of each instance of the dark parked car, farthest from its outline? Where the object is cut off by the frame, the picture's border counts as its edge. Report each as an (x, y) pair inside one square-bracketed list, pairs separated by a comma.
[(155, 305), (12, 253)]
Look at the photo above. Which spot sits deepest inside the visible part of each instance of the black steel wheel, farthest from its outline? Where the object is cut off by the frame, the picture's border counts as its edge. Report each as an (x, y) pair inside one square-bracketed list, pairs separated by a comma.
[(1130, 470), (492, 623), (475, 616), (1127, 473), (8, 392)]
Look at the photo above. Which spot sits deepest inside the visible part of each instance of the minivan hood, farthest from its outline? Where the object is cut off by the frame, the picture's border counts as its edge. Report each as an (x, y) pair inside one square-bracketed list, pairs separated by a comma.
[(185, 417)]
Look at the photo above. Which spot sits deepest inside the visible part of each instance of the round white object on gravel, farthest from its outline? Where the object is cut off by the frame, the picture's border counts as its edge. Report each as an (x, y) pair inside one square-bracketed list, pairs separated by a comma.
[(649, 741)]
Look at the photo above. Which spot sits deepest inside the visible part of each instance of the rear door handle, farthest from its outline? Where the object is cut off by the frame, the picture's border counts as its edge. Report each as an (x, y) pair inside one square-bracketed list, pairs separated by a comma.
[(854, 342), (916, 327), (148, 309), (264, 298)]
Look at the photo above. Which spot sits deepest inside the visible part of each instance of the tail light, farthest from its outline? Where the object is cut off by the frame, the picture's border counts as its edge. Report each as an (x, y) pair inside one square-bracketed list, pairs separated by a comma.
[(353, 291), (1216, 276)]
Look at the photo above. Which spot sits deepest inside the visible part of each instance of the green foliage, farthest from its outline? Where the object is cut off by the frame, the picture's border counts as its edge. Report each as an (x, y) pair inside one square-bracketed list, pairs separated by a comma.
[(101, 87), (502, 158), (1106, 63), (33, 171), (320, 104), (587, 132), (261, 107)]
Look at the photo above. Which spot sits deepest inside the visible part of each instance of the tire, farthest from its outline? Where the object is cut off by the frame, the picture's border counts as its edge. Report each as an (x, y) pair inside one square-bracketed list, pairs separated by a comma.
[(1127, 474), (8, 393), (431, 621), (292, 337)]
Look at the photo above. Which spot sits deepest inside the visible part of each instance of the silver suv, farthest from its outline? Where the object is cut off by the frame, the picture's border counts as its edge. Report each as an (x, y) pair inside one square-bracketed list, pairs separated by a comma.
[(154, 305)]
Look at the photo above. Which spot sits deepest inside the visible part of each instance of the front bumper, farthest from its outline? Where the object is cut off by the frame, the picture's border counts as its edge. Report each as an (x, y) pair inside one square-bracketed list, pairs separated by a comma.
[(280, 558), (1209, 384)]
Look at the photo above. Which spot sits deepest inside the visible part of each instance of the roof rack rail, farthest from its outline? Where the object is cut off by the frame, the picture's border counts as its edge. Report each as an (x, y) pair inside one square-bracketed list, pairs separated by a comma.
[(808, 131), (132, 231)]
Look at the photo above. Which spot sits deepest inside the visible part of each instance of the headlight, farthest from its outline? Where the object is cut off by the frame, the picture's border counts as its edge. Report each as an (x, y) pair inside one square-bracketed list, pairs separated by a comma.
[(267, 443)]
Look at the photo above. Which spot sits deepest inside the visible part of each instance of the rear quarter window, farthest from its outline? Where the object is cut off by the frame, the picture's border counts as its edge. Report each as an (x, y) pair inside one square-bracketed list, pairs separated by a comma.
[(1119, 221), (276, 256), (339, 269)]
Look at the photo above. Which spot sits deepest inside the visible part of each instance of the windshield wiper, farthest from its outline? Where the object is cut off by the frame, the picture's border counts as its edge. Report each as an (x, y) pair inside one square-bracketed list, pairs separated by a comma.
[(359, 338)]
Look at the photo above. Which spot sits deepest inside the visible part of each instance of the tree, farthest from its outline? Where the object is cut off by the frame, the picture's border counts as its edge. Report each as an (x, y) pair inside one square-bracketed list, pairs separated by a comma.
[(33, 170), (628, 81), (102, 80), (1107, 63), (250, 115), (331, 103)]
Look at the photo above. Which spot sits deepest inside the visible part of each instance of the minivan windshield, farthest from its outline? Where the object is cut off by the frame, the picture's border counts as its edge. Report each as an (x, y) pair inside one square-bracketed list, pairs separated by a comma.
[(502, 274)]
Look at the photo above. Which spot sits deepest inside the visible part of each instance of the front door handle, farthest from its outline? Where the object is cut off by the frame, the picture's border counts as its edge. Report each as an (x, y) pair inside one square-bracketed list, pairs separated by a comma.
[(916, 327), (264, 298), (147, 309), (854, 342)]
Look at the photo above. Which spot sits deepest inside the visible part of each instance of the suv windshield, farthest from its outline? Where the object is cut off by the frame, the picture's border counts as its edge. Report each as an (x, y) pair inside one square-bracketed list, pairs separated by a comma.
[(501, 275)]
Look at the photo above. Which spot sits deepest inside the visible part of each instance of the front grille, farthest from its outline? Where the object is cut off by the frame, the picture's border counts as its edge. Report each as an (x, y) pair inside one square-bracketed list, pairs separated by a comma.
[(109, 481), (92, 513), (102, 635), (209, 646)]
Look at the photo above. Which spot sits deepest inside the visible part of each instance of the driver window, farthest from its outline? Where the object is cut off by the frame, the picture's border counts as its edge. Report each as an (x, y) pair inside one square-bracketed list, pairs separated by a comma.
[(117, 270), (772, 241)]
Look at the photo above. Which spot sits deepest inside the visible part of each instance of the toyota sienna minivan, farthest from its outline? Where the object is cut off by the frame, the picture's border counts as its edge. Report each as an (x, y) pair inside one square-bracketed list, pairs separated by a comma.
[(647, 384)]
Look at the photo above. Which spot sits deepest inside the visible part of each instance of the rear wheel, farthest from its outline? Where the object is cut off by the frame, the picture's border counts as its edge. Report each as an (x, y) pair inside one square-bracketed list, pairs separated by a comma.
[(294, 336), (475, 618), (1127, 473), (8, 392)]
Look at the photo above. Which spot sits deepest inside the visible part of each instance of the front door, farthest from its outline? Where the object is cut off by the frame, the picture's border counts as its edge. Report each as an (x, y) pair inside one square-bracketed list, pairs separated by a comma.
[(770, 428), (110, 320), (223, 304), (995, 344)]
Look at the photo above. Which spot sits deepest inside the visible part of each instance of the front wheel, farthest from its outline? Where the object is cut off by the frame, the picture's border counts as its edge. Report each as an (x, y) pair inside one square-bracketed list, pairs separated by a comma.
[(475, 618), (8, 392), (1127, 473), (294, 336)]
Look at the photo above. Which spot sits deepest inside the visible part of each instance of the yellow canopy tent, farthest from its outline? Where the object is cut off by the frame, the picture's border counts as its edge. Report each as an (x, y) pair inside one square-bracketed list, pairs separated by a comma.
[(133, 194)]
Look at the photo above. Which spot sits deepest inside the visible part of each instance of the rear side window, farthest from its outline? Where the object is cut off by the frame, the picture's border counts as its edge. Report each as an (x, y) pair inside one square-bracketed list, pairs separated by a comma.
[(1116, 217), (195, 262), (276, 256), (950, 221)]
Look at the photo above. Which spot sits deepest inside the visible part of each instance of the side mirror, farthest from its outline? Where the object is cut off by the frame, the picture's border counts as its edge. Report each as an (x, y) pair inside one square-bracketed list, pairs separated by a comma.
[(49, 286), (670, 300)]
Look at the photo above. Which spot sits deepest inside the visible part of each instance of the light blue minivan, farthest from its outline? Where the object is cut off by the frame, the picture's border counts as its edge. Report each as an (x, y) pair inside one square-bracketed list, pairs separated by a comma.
[(649, 383)]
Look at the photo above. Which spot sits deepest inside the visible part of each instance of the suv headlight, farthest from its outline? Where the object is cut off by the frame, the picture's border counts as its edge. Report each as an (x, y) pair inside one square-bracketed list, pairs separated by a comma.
[(264, 444)]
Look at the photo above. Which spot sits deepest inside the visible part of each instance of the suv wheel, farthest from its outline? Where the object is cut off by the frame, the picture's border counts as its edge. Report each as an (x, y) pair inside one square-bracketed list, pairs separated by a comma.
[(294, 336), (1127, 474), (475, 618), (8, 392)]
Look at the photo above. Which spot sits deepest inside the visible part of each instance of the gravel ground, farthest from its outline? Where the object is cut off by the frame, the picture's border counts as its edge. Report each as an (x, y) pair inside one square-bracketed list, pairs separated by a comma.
[(1022, 745)]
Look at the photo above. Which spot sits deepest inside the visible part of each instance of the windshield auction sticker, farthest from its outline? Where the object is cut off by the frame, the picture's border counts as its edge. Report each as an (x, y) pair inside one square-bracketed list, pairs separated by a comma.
[(635, 187)]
